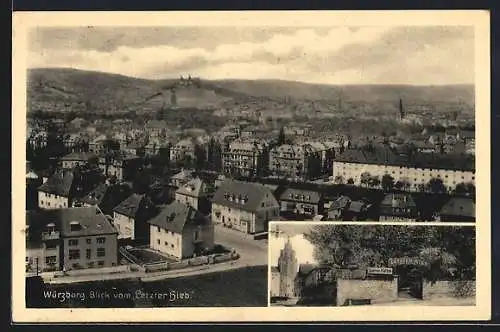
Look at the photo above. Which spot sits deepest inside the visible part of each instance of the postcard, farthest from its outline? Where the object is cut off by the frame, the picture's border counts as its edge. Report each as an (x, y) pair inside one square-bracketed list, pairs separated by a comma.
[(251, 166)]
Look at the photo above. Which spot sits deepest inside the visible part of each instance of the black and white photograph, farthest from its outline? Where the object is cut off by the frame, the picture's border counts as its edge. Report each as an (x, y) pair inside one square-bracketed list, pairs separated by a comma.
[(159, 148), (356, 265)]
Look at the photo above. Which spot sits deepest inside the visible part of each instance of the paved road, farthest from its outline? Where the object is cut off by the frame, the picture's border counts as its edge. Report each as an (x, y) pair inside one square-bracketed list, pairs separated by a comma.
[(252, 252)]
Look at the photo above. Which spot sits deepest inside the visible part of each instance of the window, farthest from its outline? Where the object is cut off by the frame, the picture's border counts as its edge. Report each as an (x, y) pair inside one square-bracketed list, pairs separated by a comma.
[(101, 252), (166, 243), (158, 241), (74, 254), (89, 253), (158, 229), (173, 245), (89, 241), (101, 240), (50, 260), (41, 202), (73, 242), (262, 204), (48, 203)]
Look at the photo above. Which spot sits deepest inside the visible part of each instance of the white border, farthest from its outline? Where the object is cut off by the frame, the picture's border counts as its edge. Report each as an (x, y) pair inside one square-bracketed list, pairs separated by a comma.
[(22, 21)]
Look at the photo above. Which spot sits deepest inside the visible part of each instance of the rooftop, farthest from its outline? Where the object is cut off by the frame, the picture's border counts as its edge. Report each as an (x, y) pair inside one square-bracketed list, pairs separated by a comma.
[(301, 195), (241, 195), (176, 216)]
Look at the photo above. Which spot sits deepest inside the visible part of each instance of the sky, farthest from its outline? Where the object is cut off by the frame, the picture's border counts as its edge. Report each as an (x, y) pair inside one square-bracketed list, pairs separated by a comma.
[(303, 249), (428, 55)]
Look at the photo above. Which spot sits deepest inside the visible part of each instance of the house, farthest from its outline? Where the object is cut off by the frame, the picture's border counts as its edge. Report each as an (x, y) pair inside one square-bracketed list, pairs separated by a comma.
[(181, 178), (246, 158), (337, 208), (301, 202), (295, 161), (71, 160), (130, 217), (106, 197), (194, 193), (244, 206), (356, 211), (180, 231), (58, 191), (119, 164), (398, 207), (458, 209), (135, 148), (156, 128), (183, 151), (70, 238)]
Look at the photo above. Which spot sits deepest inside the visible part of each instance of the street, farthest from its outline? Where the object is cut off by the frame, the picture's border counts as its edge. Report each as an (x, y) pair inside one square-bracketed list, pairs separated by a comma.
[(252, 252)]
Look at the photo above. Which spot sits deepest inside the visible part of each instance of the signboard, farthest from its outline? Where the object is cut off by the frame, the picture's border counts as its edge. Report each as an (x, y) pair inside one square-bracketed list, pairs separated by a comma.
[(406, 261), (379, 270)]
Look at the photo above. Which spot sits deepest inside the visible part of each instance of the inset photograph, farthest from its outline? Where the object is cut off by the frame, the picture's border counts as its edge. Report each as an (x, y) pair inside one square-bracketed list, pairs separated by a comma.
[(325, 264)]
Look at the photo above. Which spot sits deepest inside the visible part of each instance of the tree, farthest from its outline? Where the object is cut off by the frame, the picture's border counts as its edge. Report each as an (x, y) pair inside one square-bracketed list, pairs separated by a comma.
[(436, 186), (387, 182), (374, 181), (350, 181), (364, 178), (447, 252)]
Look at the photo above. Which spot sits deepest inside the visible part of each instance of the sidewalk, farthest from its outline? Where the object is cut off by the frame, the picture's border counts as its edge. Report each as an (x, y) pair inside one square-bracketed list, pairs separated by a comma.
[(146, 277)]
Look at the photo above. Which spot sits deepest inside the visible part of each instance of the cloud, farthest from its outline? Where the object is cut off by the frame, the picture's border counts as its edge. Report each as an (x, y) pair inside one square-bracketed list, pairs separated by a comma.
[(337, 56)]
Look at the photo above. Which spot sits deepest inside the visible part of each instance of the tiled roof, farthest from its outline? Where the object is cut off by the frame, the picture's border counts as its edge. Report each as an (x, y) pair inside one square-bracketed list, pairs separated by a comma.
[(386, 156), (79, 156), (459, 207), (356, 206), (194, 188), (175, 216), (301, 195), (59, 183), (340, 203), (95, 196), (182, 175), (70, 222), (131, 205), (241, 195)]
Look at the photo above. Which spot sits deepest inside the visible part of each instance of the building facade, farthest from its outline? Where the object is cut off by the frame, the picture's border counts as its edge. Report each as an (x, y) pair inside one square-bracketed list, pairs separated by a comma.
[(295, 161), (244, 158), (415, 171), (180, 231), (301, 202), (288, 267), (68, 239), (244, 206)]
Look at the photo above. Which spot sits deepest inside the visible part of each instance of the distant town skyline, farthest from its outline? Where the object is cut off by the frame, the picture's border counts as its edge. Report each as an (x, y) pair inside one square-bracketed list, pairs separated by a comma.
[(427, 55)]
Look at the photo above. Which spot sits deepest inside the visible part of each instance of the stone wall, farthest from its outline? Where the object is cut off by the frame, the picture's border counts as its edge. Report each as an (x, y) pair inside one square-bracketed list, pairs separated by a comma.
[(375, 290), (441, 288)]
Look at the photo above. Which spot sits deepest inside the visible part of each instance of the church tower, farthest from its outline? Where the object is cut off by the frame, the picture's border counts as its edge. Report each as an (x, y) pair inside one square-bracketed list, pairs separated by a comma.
[(401, 110), (287, 266)]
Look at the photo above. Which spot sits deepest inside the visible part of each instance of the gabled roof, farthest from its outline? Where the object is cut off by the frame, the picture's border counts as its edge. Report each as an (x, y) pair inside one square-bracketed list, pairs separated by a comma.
[(95, 196), (356, 206), (182, 175), (459, 207), (340, 203), (194, 188), (70, 222), (176, 216), (59, 183), (131, 205), (301, 195), (241, 195)]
